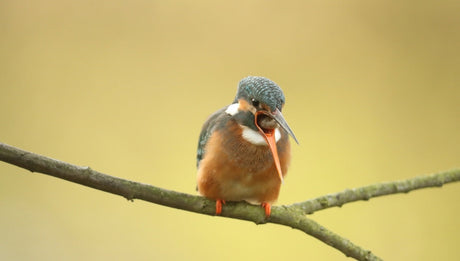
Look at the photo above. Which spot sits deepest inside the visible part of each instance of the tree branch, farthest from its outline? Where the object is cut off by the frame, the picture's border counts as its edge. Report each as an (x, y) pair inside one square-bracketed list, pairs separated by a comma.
[(292, 216), (377, 190)]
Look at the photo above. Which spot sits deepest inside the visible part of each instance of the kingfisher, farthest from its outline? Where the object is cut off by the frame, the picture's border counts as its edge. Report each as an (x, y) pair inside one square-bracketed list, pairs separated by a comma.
[(243, 149)]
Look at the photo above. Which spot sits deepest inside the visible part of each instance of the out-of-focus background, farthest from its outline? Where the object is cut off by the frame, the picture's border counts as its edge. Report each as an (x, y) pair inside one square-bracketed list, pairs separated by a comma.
[(372, 94)]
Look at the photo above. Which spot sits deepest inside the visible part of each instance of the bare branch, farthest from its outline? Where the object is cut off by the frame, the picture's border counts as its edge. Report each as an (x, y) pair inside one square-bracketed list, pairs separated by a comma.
[(292, 216), (134, 190), (377, 190)]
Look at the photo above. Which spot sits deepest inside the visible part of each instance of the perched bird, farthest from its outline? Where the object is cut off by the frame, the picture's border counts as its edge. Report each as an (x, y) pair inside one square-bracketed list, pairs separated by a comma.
[(243, 149)]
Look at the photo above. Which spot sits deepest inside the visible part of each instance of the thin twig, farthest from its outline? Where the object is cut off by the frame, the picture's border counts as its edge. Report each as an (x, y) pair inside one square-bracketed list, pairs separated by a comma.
[(377, 190)]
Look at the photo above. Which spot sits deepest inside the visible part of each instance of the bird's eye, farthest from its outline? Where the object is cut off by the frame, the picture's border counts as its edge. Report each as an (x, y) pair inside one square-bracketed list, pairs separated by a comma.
[(255, 102)]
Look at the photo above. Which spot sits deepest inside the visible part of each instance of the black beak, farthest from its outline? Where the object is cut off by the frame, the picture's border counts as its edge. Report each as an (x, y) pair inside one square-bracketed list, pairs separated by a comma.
[(282, 122)]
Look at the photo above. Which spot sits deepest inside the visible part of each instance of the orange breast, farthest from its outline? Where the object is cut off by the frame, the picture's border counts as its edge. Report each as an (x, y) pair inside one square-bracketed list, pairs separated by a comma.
[(234, 169)]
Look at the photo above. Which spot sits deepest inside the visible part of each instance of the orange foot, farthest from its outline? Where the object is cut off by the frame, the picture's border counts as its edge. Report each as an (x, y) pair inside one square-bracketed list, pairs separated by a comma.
[(268, 208), (219, 203)]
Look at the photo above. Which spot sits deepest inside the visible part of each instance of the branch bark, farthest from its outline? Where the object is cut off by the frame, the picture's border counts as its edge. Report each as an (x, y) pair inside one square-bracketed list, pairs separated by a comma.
[(377, 190), (292, 216)]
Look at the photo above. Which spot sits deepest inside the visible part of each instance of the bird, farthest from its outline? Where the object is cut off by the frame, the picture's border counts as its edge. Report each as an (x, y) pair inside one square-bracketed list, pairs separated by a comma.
[(243, 149)]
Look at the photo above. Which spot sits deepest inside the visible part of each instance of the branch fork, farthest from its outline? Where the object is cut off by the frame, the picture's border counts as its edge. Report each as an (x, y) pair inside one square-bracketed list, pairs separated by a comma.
[(294, 216)]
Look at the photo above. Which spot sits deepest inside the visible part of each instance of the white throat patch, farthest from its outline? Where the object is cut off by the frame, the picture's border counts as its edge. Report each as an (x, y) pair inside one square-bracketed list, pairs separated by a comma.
[(256, 138)]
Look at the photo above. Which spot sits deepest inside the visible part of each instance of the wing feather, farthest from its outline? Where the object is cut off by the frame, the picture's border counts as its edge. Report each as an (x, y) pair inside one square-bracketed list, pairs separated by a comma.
[(206, 131)]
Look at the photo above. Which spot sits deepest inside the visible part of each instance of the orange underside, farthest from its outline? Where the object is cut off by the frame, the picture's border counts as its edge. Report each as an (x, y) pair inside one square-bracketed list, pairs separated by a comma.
[(235, 170)]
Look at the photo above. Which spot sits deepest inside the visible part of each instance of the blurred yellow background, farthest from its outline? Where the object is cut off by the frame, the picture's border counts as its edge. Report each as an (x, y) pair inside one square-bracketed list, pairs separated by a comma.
[(372, 94)]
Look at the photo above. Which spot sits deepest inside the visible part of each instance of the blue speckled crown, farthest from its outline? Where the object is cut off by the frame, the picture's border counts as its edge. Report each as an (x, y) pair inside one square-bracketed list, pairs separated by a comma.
[(262, 90)]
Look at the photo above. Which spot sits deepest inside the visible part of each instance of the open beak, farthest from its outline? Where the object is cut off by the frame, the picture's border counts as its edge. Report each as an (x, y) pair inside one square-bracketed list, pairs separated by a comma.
[(282, 122), (269, 135)]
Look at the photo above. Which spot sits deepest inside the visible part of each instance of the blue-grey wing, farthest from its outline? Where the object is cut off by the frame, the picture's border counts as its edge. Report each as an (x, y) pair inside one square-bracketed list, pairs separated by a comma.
[(206, 131)]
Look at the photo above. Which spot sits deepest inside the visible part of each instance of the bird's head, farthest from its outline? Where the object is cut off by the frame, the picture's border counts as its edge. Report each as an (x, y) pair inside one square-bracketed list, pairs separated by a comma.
[(258, 105)]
